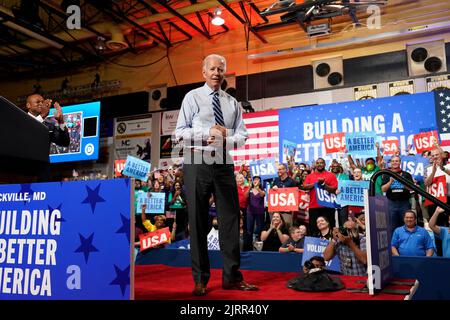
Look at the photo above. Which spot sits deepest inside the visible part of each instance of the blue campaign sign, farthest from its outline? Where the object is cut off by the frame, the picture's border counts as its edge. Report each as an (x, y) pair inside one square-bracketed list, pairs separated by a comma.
[(316, 247), (391, 118), (378, 242), (66, 240), (288, 150), (361, 144), (324, 198), (415, 165), (351, 193), (155, 202), (265, 168), (136, 168)]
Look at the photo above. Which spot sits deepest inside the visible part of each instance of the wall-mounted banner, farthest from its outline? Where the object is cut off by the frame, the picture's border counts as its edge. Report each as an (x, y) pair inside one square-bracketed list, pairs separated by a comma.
[(132, 137), (325, 198), (425, 141), (169, 122), (283, 199), (378, 242), (437, 189), (390, 147), (334, 142), (136, 168), (361, 144), (401, 87), (155, 202), (315, 247), (154, 239), (265, 168), (66, 240), (366, 92), (398, 117), (351, 193), (288, 150), (438, 83)]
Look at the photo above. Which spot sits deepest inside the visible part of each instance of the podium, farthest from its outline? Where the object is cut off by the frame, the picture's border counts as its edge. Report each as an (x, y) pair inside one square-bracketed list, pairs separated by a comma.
[(24, 142)]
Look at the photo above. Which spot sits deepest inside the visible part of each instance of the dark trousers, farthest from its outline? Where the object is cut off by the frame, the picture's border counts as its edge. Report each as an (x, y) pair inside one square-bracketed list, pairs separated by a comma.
[(396, 212), (314, 213), (202, 180)]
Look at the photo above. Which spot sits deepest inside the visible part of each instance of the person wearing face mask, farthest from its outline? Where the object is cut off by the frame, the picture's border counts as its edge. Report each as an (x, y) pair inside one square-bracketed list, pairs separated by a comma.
[(369, 169), (398, 195)]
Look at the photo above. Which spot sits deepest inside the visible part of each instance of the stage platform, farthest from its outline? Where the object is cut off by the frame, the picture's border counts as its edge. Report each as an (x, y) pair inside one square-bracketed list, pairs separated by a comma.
[(161, 282)]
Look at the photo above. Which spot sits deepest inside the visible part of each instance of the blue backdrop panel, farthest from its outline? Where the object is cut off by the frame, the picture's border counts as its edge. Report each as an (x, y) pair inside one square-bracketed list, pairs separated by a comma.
[(393, 117), (68, 240)]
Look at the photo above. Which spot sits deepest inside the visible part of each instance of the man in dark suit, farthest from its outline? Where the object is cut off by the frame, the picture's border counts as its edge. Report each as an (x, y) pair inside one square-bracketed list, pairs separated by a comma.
[(39, 108)]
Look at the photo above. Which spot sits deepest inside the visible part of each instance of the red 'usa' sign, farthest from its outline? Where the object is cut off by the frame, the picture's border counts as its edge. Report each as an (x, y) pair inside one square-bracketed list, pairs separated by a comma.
[(154, 239), (424, 141), (334, 142), (283, 199), (390, 146), (437, 189)]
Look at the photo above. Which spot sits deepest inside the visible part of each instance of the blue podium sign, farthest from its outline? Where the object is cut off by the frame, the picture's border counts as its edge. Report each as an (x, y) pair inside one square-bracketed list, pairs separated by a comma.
[(66, 241)]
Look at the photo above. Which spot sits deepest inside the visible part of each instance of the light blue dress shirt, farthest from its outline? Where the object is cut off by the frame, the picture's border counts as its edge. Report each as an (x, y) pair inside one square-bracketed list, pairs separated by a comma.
[(196, 117)]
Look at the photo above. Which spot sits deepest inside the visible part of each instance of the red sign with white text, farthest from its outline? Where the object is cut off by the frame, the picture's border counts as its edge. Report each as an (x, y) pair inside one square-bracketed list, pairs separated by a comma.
[(303, 200), (283, 199), (437, 189), (390, 147), (334, 142), (424, 141), (154, 239), (118, 167)]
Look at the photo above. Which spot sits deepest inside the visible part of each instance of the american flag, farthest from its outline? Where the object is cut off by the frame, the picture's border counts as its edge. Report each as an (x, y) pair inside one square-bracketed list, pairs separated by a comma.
[(262, 141), (442, 103)]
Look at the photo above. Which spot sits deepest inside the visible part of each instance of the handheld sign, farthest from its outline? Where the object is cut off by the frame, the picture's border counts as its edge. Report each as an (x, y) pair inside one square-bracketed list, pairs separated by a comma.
[(265, 168), (289, 149), (315, 247), (119, 165), (351, 192), (361, 144), (437, 189), (390, 147), (425, 141), (154, 239), (334, 142), (304, 200), (283, 199), (136, 168), (155, 201), (324, 198)]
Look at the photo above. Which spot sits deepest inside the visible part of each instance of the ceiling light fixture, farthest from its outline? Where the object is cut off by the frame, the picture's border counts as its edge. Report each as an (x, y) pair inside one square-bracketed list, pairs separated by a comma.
[(217, 20)]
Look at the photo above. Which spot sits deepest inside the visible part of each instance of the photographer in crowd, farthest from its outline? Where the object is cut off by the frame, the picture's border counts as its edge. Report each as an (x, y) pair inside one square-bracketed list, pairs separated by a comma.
[(350, 248)]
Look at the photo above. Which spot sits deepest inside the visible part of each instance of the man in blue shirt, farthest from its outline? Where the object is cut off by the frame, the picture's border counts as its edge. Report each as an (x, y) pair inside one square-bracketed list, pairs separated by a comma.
[(442, 233), (410, 239)]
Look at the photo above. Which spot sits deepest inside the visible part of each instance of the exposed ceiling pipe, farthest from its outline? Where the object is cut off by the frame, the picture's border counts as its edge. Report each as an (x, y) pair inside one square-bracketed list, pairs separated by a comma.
[(413, 31), (106, 27)]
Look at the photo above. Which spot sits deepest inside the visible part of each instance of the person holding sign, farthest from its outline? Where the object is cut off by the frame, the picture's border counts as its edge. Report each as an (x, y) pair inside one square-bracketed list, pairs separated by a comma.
[(350, 248), (210, 124), (398, 195), (329, 182), (284, 181)]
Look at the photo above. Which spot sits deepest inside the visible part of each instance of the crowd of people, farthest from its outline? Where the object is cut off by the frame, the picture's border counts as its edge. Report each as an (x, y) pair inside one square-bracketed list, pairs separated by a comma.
[(285, 231)]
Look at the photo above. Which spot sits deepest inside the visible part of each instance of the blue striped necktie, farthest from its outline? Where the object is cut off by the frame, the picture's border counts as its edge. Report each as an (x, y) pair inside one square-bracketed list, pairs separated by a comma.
[(218, 115)]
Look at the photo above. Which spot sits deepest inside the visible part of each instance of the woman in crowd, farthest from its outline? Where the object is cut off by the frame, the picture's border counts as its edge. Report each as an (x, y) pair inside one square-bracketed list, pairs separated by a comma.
[(255, 210), (177, 204), (274, 234), (325, 230)]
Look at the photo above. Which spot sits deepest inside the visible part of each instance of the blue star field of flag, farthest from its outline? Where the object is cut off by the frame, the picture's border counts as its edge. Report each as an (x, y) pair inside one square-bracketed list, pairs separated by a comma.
[(91, 247), (442, 100)]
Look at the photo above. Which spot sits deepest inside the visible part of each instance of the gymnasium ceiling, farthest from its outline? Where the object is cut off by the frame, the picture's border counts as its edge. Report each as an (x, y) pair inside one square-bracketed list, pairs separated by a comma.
[(34, 37)]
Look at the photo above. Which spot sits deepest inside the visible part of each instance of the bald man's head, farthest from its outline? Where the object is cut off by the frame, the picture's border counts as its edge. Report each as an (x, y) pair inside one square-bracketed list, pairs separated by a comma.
[(35, 104)]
